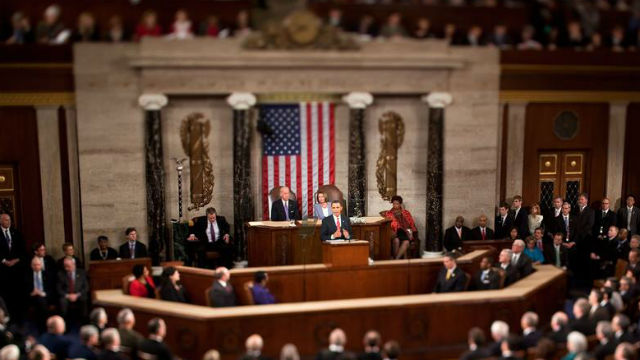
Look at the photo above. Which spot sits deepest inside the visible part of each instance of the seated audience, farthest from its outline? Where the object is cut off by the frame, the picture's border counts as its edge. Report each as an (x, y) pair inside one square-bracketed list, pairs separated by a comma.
[(103, 251), (21, 32), (366, 29), (98, 318), (371, 343), (69, 252), (171, 288), (450, 278), (215, 355), (500, 37), (40, 287), (601, 308), (132, 249), (482, 232), (528, 41), (624, 244), (288, 352), (337, 341), (129, 338), (337, 226), (530, 333), (559, 328), (211, 233), (511, 273), (321, 209), (616, 299), (116, 32), (39, 352), (222, 294), (86, 349), (50, 30), (576, 345), (545, 349), (391, 350), (606, 344), (110, 340), (211, 27), (499, 333), (422, 29), (393, 27), (148, 26), (476, 341), (86, 30), (513, 234), (181, 27), (503, 222), (402, 225), (334, 18), (285, 209), (532, 251), (54, 339), (633, 266), (73, 290), (10, 352), (519, 260), (557, 254), (474, 37), (242, 27), (253, 346), (259, 291), (142, 284), (627, 291), (487, 278), (620, 326), (455, 235), (48, 263), (581, 322), (153, 346)]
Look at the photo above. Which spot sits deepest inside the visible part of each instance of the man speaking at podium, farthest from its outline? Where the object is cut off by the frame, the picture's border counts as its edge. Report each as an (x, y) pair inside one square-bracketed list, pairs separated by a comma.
[(337, 226)]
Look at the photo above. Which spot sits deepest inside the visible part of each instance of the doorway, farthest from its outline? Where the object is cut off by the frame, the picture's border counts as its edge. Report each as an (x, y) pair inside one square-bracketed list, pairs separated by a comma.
[(561, 174)]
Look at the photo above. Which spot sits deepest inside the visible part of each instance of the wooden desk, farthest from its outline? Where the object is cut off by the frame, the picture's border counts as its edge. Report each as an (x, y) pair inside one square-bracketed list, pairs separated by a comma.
[(272, 243), (345, 254), (108, 274), (298, 283), (494, 245), (432, 326)]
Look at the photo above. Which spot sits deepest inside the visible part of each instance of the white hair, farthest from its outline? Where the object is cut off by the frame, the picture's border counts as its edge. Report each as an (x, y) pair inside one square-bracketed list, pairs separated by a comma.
[(500, 328), (109, 337), (125, 316), (519, 242), (87, 332), (10, 352), (576, 342)]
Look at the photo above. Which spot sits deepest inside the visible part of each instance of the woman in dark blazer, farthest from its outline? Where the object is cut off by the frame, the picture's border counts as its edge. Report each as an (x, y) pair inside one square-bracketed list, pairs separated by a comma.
[(171, 289)]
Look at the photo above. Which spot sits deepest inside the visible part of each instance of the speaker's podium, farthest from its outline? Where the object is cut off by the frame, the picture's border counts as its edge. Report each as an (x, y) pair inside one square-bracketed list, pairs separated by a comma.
[(345, 253)]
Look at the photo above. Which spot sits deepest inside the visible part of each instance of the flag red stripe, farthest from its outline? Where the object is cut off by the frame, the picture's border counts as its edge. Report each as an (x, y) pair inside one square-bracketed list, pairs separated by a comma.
[(320, 145), (299, 182), (332, 145), (309, 193), (287, 171), (265, 188)]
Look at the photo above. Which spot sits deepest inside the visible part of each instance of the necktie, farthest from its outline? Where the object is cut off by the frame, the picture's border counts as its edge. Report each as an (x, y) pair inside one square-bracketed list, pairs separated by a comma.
[(484, 235), (566, 226), (540, 245), (8, 237), (558, 263), (338, 223), (629, 212), (72, 283), (132, 249), (448, 275), (213, 233), (286, 211), (38, 281)]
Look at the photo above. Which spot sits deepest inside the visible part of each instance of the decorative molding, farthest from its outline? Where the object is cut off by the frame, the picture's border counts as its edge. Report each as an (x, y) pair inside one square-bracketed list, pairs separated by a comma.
[(358, 100), (557, 96), (152, 102), (37, 99), (438, 100), (565, 69), (296, 97), (241, 100)]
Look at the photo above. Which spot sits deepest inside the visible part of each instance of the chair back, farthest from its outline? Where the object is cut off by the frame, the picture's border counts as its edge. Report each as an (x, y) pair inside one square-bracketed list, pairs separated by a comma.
[(503, 275), (207, 296), (126, 282), (247, 293), (467, 281)]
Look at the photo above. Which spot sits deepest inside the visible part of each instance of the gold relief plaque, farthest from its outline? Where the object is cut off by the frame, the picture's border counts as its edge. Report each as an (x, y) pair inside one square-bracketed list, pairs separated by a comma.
[(194, 133), (391, 130)]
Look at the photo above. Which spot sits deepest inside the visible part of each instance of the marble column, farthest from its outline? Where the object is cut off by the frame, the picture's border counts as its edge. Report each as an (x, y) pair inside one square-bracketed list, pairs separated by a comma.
[(515, 148), (243, 205), (154, 169), (356, 198), (615, 153), (435, 164)]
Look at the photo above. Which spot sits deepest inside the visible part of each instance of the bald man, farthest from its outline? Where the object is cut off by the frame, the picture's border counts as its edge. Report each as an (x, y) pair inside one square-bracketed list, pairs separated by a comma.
[(337, 342), (482, 232), (54, 339)]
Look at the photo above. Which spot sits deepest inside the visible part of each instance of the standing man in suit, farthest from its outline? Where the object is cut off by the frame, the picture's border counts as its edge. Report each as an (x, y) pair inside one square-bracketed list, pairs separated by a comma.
[(73, 291), (40, 290), (504, 222), (48, 263), (285, 209), (629, 216), (455, 235), (520, 217), (566, 224), (551, 217), (12, 258), (486, 278), (222, 294), (511, 274), (482, 232), (211, 233), (604, 253), (336, 226), (132, 249), (450, 278), (103, 251), (520, 260), (556, 253), (603, 220), (584, 241)]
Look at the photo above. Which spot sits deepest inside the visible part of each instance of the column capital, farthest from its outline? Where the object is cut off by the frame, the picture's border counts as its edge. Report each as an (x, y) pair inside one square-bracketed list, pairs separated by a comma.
[(241, 100), (358, 100), (151, 102), (438, 99)]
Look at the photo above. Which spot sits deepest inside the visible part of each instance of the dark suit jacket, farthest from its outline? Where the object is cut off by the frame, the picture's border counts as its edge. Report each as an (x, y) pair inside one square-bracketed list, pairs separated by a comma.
[(222, 297), (278, 211), (583, 325), (511, 275), (110, 355), (48, 284), (169, 293), (550, 255), (140, 250), (454, 284), (584, 228), (521, 222), (602, 223), (56, 344), (251, 357), (81, 285), (81, 351), (112, 254), (531, 339), (201, 223), (560, 227), (600, 352), (476, 354), (130, 339), (502, 229), (159, 349), (326, 354), (370, 356), (476, 233), (550, 221), (635, 219), (524, 266), (558, 337), (17, 250), (50, 266), (451, 239), (329, 227), (492, 282)]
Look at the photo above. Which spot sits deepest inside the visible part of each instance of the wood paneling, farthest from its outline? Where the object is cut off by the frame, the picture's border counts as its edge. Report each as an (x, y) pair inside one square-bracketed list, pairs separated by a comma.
[(108, 274), (631, 170), (592, 138), (19, 146), (432, 326)]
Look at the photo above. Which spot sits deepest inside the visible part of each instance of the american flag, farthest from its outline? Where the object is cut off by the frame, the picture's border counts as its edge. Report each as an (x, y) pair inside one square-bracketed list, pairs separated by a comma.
[(300, 153)]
